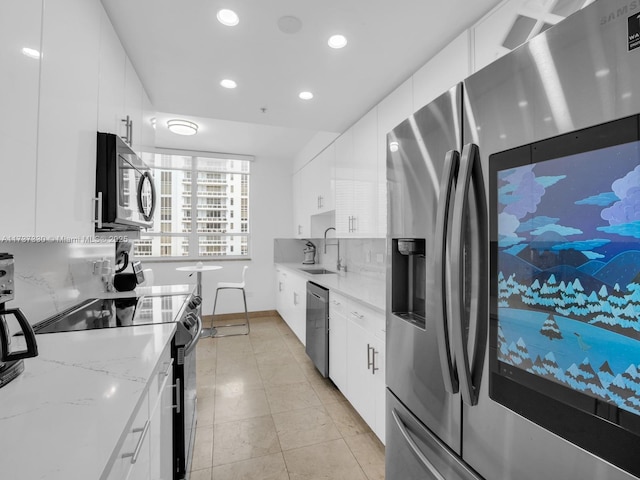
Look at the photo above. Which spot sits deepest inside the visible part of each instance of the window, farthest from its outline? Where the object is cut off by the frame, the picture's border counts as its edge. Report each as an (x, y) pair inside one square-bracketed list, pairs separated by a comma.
[(198, 196)]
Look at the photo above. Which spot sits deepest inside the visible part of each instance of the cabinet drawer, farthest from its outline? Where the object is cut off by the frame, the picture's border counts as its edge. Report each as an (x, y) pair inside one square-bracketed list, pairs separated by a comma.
[(369, 319), (162, 373), (132, 443), (338, 305)]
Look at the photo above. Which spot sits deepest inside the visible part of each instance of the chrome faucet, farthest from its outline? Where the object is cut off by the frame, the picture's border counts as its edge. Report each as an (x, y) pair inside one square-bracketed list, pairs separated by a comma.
[(339, 265)]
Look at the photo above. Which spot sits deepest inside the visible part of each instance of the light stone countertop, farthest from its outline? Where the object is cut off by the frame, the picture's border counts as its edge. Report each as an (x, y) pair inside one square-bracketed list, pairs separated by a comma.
[(368, 290), (65, 414)]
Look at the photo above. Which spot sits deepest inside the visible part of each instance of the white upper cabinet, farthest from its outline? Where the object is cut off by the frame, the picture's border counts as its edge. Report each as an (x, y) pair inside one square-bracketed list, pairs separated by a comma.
[(68, 116), (356, 179), (514, 22), (301, 202), (123, 105), (448, 67), (20, 22), (320, 181), (395, 108)]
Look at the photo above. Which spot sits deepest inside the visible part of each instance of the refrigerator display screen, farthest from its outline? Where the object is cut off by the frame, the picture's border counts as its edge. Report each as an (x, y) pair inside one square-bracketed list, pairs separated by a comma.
[(565, 270)]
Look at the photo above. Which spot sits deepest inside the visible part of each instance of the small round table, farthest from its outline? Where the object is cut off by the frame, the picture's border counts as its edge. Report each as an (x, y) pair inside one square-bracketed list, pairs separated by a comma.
[(199, 268)]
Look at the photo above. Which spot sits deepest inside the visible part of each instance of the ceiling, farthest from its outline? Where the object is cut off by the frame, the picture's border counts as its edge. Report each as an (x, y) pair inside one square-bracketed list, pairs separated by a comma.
[(181, 53)]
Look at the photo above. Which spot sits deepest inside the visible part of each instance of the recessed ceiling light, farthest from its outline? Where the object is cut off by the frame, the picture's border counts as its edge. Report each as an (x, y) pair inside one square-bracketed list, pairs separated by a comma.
[(337, 41), (228, 17), (182, 127), (228, 83), (30, 52), (305, 95)]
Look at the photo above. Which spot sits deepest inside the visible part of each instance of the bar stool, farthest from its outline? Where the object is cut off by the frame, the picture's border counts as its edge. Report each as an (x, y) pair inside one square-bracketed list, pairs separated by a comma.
[(235, 286)]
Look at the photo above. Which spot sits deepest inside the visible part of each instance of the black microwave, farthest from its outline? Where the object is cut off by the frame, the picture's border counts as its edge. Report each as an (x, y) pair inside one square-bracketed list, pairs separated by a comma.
[(125, 192)]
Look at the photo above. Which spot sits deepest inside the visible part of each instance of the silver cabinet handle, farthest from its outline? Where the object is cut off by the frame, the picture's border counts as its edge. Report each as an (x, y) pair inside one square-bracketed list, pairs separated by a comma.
[(136, 452), (371, 359)]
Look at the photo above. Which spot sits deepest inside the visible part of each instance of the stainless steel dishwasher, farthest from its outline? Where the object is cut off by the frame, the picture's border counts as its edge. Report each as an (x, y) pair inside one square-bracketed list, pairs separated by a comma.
[(318, 327)]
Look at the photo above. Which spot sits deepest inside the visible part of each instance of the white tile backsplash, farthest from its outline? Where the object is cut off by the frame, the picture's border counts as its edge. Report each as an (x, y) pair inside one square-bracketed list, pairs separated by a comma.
[(51, 277)]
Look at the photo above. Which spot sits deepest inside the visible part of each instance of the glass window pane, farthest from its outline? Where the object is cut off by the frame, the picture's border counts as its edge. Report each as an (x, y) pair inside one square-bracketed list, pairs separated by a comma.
[(222, 245), (161, 246)]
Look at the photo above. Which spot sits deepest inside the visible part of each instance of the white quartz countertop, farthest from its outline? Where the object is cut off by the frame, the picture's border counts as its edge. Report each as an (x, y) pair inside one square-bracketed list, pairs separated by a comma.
[(63, 416), (368, 290)]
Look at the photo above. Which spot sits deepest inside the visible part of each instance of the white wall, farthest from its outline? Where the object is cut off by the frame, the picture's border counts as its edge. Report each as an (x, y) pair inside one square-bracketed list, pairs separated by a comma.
[(271, 217)]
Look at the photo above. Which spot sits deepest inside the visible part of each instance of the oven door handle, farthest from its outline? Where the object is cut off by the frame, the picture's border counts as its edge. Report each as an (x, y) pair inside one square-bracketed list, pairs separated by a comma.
[(192, 344)]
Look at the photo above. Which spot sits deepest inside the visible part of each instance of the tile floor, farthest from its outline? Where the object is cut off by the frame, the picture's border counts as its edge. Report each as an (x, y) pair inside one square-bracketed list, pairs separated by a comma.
[(265, 413)]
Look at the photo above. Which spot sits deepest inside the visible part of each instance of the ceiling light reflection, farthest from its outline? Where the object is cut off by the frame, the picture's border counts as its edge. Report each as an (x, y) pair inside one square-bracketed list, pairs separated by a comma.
[(182, 127), (31, 53)]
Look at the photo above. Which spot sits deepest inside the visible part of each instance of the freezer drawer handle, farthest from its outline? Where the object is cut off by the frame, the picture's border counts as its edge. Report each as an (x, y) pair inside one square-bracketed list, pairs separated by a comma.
[(450, 171), (414, 448)]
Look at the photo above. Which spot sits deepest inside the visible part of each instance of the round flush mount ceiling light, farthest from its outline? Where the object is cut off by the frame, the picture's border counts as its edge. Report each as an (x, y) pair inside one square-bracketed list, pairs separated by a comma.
[(337, 41), (394, 146), (228, 83), (305, 95), (182, 127), (228, 17)]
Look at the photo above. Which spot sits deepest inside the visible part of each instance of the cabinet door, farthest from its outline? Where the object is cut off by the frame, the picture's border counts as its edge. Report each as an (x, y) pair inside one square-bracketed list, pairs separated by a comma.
[(448, 67), (320, 181), (359, 378), (20, 23), (395, 108), (148, 132), (299, 310), (301, 218), (344, 183), (132, 105), (338, 341), (68, 118), (513, 23), (112, 59), (365, 176), (280, 292), (378, 386), (161, 430)]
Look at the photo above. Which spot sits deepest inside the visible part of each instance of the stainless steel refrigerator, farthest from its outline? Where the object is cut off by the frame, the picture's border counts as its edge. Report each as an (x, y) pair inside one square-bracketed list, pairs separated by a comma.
[(471, 394)]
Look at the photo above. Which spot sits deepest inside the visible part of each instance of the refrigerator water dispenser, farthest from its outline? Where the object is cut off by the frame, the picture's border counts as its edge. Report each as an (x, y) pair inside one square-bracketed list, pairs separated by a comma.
[(409, 280)]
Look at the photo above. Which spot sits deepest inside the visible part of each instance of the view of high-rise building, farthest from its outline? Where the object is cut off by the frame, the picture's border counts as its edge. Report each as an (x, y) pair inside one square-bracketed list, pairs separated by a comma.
[(202, 207)]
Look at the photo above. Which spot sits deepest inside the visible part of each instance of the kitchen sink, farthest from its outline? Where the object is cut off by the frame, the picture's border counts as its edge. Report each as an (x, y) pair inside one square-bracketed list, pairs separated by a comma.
[(317, 271)]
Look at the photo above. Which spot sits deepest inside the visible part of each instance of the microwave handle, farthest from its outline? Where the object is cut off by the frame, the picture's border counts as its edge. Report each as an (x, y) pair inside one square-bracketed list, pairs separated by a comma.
[(98, 204)]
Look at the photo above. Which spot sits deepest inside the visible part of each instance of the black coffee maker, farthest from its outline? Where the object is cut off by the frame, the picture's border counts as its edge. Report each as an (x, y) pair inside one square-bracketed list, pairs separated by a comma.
[(17, 340)]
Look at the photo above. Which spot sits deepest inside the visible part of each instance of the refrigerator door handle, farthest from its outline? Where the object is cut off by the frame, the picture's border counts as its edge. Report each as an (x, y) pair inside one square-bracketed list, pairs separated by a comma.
[(469, 373), (451, 162), (414, 448)]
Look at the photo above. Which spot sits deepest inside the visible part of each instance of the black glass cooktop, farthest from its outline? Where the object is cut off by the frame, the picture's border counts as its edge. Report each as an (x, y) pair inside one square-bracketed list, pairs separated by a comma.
[(115, 312)]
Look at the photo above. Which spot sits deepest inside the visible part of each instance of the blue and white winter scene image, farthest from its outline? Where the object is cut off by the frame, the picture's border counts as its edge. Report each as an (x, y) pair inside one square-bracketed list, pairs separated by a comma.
[(569, 272)]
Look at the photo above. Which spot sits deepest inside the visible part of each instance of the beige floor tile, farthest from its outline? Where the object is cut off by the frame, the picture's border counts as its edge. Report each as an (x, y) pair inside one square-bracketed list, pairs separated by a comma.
[(347, 419), (204, 474), (242, 379), (269, 467), (283, 398), (327, 391), (240, 404), (244, 439), (205, 385), (203, 448), (269, 344), (299, 428), (281, 374), (205, 410), (326, 461), (275, 357), (240, 343), (369, 452), (236, 364)]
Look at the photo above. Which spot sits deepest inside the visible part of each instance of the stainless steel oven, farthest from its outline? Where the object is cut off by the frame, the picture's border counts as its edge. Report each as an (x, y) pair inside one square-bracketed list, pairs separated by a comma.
[(184, 309), (125, 192)]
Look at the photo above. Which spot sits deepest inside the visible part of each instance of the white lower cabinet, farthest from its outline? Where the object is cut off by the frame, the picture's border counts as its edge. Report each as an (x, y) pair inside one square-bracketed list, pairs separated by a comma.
[(291, 301), (338, 340), (146, 449), (357, 358)]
